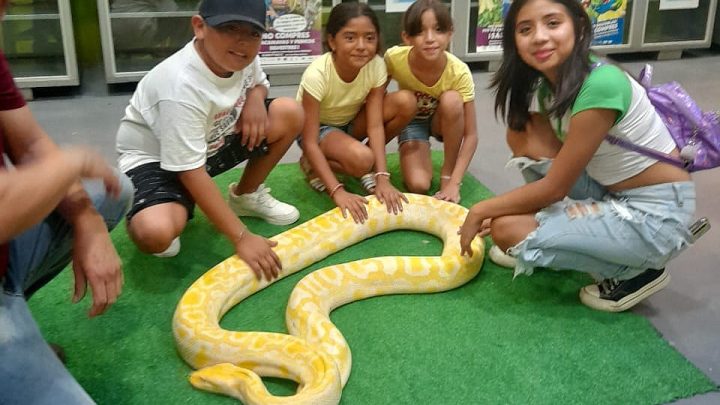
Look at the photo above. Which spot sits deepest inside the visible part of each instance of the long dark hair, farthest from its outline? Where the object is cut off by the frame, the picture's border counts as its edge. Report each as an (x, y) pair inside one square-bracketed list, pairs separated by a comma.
[(515, 81), (344, 12)]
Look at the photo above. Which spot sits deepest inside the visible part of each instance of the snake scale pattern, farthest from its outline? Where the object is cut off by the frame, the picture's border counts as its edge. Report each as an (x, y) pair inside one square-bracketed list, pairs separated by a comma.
[(314, 353)]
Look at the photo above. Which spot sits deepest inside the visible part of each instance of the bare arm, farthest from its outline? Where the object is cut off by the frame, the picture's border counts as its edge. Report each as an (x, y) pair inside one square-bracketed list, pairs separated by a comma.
[(450, 187), (310, 142), (469, 143), (253, 122), (587, 130), (48, 178), (255, 250), (45, 176), (347, 202), (208, 197), (384, 190), (29, 194), (375, 129)]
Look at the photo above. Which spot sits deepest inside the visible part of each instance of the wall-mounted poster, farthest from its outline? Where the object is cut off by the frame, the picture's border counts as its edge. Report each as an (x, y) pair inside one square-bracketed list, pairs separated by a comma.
[(490, 24), (397, 6), (608, 19), (293, 32)]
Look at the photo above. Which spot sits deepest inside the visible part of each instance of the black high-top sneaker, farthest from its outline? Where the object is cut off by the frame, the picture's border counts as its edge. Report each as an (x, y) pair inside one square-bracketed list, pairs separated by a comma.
[(614, 295)]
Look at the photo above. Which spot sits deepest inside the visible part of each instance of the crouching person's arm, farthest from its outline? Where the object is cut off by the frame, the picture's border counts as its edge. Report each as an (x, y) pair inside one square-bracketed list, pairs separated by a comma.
[(254, 250)]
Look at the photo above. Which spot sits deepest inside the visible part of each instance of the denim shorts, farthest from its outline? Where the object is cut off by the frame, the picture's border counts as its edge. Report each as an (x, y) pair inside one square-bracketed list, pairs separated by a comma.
[(419, 129), (326, 129), (609, 235)]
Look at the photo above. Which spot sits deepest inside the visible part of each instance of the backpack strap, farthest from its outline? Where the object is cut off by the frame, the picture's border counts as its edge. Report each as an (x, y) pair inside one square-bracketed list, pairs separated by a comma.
[(645, 76), (644, 79), (652, 153)]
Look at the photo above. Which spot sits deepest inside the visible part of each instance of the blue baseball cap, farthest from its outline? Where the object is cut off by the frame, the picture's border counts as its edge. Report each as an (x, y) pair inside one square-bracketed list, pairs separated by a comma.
[(217, 12)]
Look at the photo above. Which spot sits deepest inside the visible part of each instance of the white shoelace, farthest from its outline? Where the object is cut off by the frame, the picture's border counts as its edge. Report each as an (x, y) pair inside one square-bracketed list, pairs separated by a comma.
[(608, 285), (264, 198)]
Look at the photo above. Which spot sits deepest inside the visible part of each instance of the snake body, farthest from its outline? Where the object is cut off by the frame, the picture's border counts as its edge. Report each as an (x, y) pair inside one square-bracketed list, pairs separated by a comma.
[(315, 353)]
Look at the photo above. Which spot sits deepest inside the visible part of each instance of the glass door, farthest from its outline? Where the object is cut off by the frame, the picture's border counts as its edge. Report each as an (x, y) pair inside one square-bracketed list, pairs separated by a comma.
[(689, 24), (38, 43), (139, 34)]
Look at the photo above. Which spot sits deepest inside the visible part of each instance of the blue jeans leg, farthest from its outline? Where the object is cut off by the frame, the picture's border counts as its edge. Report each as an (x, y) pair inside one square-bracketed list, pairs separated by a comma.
[(36, 256), (618, 237), (30, 373), (533, 170)]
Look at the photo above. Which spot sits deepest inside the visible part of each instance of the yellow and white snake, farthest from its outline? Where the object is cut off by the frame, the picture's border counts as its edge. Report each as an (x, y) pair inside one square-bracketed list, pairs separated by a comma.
[(314, 353)]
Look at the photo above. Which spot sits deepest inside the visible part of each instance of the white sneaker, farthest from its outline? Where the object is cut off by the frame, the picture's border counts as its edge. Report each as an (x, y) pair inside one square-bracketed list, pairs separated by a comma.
[(171, 250), (501, 258), (262, 205), (368, 182)]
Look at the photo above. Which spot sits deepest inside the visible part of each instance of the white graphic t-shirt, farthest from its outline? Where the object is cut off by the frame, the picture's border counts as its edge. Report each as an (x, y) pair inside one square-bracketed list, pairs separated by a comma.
[(182, 112)]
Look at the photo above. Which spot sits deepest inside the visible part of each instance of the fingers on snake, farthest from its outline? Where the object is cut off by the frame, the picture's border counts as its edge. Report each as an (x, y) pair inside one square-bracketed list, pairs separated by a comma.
[(202, 342)]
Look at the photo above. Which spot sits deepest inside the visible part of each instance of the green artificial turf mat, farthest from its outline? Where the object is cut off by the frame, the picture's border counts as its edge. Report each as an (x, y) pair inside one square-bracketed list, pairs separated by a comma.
[(493, 340)]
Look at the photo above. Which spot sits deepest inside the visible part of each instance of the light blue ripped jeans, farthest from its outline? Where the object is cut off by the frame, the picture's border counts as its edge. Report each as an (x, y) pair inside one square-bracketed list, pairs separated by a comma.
[(30, 372), (609, 235)]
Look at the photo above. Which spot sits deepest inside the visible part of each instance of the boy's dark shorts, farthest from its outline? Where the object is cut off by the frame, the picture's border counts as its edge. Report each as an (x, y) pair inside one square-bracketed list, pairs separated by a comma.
[(154, 185)]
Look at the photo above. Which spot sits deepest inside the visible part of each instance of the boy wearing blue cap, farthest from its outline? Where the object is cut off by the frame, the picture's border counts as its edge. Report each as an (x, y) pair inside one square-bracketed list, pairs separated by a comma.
[(195, 115)]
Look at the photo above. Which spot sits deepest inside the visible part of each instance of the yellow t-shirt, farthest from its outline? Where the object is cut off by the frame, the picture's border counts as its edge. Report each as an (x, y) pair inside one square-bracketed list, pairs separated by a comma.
[(340, 101), (456, 76)]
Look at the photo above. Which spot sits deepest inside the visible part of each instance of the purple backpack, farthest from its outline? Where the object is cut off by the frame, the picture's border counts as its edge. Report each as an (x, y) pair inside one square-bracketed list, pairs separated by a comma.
[(696, 133)]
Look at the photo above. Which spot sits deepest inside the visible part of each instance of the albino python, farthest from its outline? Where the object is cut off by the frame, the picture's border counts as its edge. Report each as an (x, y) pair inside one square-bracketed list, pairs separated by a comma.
[(314, 354)]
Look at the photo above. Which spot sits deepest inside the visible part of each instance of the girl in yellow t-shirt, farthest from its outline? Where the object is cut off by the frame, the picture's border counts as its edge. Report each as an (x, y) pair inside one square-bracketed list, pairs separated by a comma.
[(443, 92), (342, 93)]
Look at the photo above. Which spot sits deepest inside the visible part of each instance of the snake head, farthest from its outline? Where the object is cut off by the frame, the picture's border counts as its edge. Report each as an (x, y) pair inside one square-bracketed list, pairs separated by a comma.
[(227, 379)]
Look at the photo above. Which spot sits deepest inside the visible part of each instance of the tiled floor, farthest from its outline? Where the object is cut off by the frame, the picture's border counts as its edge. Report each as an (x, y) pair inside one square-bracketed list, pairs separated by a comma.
[(687, 313)]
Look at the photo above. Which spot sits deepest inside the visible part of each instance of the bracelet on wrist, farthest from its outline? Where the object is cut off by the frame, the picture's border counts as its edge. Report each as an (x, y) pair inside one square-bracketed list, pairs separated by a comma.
[(335, 189), (448, 178), (386, 174)]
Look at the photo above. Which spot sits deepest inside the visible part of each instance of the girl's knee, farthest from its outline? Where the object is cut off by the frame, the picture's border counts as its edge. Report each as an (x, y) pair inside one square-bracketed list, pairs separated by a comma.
[(417, 184), (499, 231), (517, 142), (360, 161), (288, 114), (537, 140), (451, 102), (402, 102), (508, 231)]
